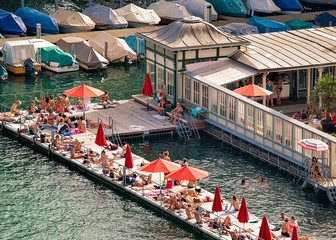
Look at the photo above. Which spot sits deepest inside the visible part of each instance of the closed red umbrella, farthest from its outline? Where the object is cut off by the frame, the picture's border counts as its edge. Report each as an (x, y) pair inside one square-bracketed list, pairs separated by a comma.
[(100, 137), (83, 91), (265, 232), (128, 158), (147, 89), (160, 165), (243, 216), (217, 203), (295, 235), (187, 173)]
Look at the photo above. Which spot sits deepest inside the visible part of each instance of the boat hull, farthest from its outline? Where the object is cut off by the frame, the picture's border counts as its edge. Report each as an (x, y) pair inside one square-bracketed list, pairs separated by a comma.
[(19, 70), (66, 29), (318, 4), (91, 69), (64, 69)]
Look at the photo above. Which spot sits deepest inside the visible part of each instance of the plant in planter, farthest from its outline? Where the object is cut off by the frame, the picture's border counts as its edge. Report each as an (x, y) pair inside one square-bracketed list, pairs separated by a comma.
[(325, 91)]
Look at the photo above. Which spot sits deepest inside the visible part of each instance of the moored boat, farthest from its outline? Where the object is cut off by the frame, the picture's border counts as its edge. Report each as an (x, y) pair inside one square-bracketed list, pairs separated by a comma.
[(262, 7), (240, 29), (31, 17), (265, 25), (137, 16), (117, 48), (234, 8), (297, 23), (289, 6), (325, 20), (196, 8), (71, 21), (105, 17), (88, 58), (11, 24)]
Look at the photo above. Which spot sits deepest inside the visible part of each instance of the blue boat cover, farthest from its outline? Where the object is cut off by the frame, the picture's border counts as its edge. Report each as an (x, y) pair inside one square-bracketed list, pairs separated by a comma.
[(234, 8), (289, 5), (31, 17), (11, 24), (265, 25), (132, 41), (325, 20), (239, 29), (299, 24)]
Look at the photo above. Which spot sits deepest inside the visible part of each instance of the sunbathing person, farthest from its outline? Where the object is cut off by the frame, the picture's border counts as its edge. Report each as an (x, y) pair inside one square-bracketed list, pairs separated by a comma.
[(51, 104), (14, 109), (175, 113), (105, 98), (93, 124), (42, 118), (81, 125), (123, 153), (143, 181), (31, 109), (234, 203), (59, 144), (77, 145), (34, 129), (50, 119), (66, 103), (161, 106), (42, 104), (74, 155), (317, 175), (62, 127), (80, 104)]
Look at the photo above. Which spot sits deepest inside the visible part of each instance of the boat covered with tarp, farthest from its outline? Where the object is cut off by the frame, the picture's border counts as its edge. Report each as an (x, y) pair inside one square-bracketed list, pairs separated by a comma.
[(297, 23), (71, 21), (169, 11), (262, 7), (240, 29), (11, 24), (105, 17), (234, 8), (53, 58), (289, 6), (87, 57), (196, 8), (117, 48), (137, 16), (325, 20), (265, 25), (31, 17), (132, 41)]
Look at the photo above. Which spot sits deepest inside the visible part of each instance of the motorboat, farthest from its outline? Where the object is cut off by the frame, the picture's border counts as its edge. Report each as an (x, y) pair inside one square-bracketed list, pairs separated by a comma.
[(11, 24), (240, 29), (133, 42), (318, 5), (53, 58), (169, 11), (137, 16), (19, 58), (71, 21), (265, 25), (88, 58), (297, 23), (262, 7), (105, 17), (117, 49), (234, 8), (289, 6), (31, 17), (196, 8), (325, 20)]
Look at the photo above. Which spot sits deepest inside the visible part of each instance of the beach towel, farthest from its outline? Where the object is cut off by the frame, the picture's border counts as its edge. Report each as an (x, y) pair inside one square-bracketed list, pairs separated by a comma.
[(50, 128), (136, 128), (75, 131)]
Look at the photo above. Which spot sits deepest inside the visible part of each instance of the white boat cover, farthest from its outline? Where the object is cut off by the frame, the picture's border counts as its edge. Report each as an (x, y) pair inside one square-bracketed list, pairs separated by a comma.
[(18, 51), (263, 6), (117, 47), (169, 10), (196, 8), (133, 13), (83, 52), (73, 20), (220, 72), (105, 17)]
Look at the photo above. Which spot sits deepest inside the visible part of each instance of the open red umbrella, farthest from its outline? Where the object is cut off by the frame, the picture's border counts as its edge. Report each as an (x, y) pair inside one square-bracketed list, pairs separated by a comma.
[(295, 235), (147, 89), (187, 173), (160, 165), (217, 203), (253, 90), (83, 91), (100, 137), (128, 158), (243, 216), (265, 232)]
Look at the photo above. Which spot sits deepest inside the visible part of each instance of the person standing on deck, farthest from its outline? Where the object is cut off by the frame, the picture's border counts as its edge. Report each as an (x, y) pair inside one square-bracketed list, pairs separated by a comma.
[(269, 87), (279, 88)]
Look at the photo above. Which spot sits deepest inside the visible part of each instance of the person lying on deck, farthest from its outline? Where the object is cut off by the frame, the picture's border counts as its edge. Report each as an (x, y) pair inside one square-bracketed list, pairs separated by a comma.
[(93, 124), (59, 144), (14, 109), (123, 153), (175, 113), (74, 155), (42, 118), (142, 180), (31, 109)]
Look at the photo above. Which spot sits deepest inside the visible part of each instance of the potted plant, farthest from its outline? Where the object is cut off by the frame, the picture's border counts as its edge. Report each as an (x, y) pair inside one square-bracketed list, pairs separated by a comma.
[(325, 92)]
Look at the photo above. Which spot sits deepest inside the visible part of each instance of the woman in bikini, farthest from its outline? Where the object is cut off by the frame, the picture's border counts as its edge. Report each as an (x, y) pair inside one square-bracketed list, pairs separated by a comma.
[(279, 88), (285, 228), (43, 104), (14, 109), (59, 105), (175, 113), (50, 118), (81, 125), (31, 109), (234, 203), (74, 155), (292, 223), (66, 103)]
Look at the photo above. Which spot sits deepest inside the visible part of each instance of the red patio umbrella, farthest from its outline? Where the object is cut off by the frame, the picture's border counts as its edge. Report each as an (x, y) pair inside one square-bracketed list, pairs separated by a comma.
[(217, 203), (147, 89), (83, 91), (295, 235), (160, 165), (187, 173), (265, 232), (128, 158), (253, 90), (100, 137)]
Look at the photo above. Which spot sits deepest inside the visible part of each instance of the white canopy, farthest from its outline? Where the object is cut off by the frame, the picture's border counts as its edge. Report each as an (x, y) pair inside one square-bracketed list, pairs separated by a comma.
[(196, 8), (18, 51), (117, 47), (220, 72), (264, 6), (169, 10), (133, 13)]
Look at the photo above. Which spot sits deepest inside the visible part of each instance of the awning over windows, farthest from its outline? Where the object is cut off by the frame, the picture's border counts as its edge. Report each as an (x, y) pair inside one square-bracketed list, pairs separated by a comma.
[(220, 72)]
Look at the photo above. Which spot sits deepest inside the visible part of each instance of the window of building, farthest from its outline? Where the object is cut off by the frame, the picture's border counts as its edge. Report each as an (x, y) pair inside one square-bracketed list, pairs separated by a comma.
[(187, 88), (205, 96), (268, 125), (307, 135), (297, 138), (213, 99), (240, 112), (222, 104), (170, 83), (232, 108), (250, 117), (159, 78), (278, 129), (259, 121), (196, 92), (288, 134)]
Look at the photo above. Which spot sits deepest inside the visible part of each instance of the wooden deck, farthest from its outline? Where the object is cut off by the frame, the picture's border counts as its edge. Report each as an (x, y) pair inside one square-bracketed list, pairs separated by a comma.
[(127, 114)]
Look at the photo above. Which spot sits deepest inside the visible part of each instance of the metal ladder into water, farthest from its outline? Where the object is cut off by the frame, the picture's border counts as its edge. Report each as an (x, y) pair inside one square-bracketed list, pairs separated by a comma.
[(186, 131), (115, 134)]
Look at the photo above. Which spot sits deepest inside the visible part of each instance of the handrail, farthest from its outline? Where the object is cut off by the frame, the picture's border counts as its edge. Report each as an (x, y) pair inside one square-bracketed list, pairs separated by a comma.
[(182, 127), (193, 125), (116, 134)]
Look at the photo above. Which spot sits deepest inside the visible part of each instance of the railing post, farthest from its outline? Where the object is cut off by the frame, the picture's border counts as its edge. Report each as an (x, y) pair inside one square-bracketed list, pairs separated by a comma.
[(124, 176)]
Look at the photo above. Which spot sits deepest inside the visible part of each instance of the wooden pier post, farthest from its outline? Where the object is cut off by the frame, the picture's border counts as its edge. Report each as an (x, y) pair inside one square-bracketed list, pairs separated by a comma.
[(38, 30), (106, 50), (18, 134), (56, 5), (90, 3), (73, 50), (22, 3)]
